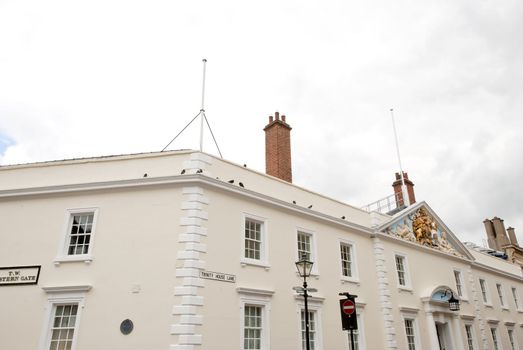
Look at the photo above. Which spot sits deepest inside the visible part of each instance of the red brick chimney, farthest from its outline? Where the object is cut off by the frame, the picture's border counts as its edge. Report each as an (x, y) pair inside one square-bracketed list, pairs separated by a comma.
[(278, 148), (399, 194)]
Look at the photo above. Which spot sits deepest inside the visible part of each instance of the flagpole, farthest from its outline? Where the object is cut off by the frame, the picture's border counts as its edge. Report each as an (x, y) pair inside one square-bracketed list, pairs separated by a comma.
[(202, 110), (403, 187)]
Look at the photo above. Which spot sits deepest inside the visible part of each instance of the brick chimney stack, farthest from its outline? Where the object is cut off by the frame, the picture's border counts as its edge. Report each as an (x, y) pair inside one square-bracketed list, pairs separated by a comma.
[(497, 235), (399, 194), (278, 148), (503, 240), (512, 236), (491, 235)]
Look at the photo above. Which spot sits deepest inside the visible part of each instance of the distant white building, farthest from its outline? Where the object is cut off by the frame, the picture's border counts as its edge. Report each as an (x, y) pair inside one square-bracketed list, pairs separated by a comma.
[(181, 250)]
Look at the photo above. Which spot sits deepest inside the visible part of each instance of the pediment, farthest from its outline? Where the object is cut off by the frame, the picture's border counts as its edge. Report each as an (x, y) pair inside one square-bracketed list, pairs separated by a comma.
[(420, 225)]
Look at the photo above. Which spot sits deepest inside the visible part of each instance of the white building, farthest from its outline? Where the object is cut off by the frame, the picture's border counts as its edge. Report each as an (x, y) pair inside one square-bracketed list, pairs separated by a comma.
[(199, 253)]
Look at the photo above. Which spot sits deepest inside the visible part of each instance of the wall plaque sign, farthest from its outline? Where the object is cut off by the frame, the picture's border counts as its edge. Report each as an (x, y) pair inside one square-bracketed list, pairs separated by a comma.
[(16, 275), (218, 276)]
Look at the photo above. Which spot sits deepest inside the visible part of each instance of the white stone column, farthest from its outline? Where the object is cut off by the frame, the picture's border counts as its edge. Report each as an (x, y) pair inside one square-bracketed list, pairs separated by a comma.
[(384, 295), (431, 328), (457, 337)]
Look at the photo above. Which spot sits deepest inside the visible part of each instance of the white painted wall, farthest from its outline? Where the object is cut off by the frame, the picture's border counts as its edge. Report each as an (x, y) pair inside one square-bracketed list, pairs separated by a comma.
[(147, 227)]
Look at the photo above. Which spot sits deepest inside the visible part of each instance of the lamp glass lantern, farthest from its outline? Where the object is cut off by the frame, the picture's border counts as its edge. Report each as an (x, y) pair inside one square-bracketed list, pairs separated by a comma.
[(304, 266), (453, 303)]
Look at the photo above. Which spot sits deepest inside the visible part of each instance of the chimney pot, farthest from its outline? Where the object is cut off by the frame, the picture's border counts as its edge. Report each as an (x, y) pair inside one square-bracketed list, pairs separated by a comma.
[(271, 119), (277, 115), (283, 118)]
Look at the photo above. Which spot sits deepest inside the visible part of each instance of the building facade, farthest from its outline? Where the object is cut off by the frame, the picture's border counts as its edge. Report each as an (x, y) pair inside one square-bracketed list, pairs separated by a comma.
[(181, 250)]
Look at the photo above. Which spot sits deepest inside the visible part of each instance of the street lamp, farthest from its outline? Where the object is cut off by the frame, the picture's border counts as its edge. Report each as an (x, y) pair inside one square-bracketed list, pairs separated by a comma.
[(453, 302), (304, 267)]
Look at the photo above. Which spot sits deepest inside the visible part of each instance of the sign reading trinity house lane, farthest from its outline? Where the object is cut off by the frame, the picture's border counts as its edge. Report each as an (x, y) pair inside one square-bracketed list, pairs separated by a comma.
[(10, 276), (218, 276)]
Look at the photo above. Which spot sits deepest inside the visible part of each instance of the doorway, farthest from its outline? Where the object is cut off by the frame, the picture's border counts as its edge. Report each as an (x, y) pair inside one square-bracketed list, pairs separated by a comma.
[(442, 329)]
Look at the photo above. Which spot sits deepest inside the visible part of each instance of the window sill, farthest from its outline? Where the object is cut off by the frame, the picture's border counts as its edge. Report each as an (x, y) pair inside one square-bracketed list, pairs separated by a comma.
[(345, 279), (314, 274), (86, 258), (405, 289), (488, 305), (251, 262), (504, 308), (520, 310)]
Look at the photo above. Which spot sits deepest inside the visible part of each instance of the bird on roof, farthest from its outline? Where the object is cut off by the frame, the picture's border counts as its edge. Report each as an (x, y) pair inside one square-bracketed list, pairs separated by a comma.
[(145, 175), (293, 202), (199, 171), (231, 181), (310, 206), (343, 217), (183, 171), (241, 184)]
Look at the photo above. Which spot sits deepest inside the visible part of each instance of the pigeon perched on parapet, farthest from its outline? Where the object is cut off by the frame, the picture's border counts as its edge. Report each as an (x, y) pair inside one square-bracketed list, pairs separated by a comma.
[(183, 172), (310, 206), (199, 171), (241, 184), (231, 181)]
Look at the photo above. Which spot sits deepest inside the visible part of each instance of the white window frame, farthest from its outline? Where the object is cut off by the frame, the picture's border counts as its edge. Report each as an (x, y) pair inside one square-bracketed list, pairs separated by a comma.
[(62, 255), (264, 244), (501, 296), (485, 298), (414, 317), (314, 305), (60, 296), (362, 344), (516, 298), (355, 278), (514, 337), (314, 252), (463, 287), (261, 298), (408, 284), (473, 335), (494, 332)]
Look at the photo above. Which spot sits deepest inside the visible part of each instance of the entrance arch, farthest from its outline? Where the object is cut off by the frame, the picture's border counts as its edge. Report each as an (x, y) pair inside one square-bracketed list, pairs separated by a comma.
[(442, 324)]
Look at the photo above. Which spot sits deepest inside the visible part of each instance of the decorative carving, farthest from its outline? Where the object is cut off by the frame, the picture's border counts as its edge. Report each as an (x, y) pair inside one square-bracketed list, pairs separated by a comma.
[(420, 227), (444, 245), (423, 226), (404, 231)]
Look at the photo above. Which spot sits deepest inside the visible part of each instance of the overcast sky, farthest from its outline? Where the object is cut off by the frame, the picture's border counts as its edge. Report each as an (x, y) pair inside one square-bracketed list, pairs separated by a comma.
[(95, 78)]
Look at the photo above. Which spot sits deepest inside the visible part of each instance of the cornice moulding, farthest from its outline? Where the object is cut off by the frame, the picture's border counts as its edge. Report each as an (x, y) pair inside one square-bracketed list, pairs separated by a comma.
[(65, 289), (182, 179)]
